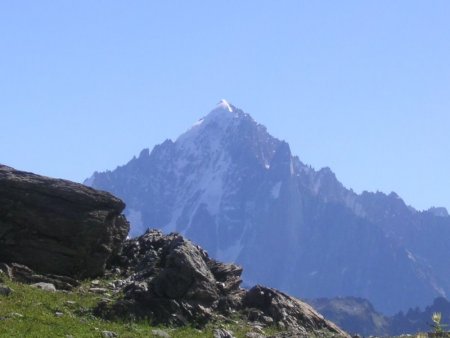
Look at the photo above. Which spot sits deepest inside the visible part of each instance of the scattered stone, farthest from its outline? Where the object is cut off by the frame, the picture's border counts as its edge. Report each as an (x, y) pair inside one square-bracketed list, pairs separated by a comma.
[(98, 290), (254, 335), (109, 334), (5, 290), (291, 334), (267, 320), (15, 314), (222, 333), (71, 302), (258, 329), (44, 286), (119, 283), (160, 333), (59, 314)]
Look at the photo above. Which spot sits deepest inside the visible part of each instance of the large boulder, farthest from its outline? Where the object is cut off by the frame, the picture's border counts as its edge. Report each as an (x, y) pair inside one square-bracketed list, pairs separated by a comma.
[(174, 281), (56, 226)]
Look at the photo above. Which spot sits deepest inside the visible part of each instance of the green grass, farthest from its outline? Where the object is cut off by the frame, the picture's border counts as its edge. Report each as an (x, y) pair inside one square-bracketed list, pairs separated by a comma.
[(30, 312)]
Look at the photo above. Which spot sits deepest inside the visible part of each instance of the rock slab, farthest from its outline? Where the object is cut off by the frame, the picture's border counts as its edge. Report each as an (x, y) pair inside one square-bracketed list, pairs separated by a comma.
[(57, 226)]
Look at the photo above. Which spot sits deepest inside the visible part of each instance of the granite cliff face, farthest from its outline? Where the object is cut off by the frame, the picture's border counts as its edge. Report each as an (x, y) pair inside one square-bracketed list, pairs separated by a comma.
[(230, 186), (56, 226)]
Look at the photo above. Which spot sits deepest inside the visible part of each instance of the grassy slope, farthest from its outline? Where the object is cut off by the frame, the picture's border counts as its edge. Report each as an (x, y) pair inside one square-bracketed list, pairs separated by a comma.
[(30, 312)]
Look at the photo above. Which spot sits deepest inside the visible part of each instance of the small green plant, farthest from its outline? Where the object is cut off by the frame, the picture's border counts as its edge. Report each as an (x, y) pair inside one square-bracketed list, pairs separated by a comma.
[(437, 326)]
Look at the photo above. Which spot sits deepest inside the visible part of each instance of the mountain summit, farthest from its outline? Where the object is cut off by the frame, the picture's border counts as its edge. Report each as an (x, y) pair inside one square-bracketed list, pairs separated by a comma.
[(227, 184)]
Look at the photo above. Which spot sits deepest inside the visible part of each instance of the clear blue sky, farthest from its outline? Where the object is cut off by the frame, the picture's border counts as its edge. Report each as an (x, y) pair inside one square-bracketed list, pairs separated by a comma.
[(360, 86)]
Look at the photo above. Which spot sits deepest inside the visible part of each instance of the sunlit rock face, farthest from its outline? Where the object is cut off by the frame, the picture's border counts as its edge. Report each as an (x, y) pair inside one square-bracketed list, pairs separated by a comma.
[(227, 184)]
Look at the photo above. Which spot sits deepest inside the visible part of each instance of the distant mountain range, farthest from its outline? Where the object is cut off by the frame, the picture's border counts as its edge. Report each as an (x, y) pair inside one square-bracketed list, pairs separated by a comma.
[(357, 315), (227, 184)]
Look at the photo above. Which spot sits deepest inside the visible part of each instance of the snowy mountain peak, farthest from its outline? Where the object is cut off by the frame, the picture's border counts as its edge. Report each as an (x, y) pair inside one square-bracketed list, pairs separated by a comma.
[(223, 111), (224, 104), (220, 117)]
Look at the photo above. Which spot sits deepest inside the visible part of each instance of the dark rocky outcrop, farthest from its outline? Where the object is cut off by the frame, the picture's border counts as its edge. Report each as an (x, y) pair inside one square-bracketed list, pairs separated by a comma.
[(58, 227), (173, 281)]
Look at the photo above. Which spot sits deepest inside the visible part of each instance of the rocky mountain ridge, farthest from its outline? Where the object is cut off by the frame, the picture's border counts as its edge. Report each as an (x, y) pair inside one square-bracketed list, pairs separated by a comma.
[(240, 193)]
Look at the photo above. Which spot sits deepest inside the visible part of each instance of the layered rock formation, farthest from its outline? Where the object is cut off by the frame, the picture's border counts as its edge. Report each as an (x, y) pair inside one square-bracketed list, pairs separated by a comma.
[(56, 226), (172, 281)]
